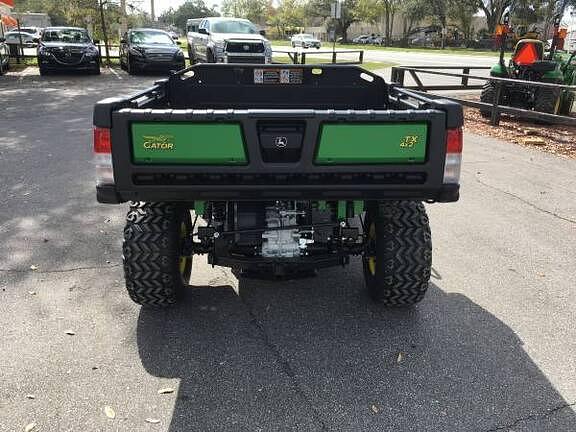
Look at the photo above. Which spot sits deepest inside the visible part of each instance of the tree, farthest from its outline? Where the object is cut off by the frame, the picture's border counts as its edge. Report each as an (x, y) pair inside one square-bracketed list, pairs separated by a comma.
[(289, 15), (462, 12), (351, 13), (189, 9), (413, 11), (494, 9), (253, 10), (390, 8)]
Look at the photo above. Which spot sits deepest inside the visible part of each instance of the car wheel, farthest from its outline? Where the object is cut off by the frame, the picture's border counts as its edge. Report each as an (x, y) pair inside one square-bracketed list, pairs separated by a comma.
[(210, 58), (130, 68)]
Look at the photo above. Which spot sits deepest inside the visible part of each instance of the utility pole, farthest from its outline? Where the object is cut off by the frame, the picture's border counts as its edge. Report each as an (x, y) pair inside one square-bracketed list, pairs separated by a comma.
[(152, 14)]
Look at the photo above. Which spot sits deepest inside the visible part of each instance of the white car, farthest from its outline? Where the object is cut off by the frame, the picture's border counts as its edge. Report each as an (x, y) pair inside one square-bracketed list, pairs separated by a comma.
[(14, 37), (305, 41)]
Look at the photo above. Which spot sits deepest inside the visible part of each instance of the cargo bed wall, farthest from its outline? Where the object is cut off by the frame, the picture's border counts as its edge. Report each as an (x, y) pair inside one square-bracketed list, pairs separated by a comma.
[(219, 86)]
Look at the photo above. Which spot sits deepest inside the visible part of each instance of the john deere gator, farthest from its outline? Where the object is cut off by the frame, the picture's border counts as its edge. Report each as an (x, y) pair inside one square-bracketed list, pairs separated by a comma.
[(277, 169)]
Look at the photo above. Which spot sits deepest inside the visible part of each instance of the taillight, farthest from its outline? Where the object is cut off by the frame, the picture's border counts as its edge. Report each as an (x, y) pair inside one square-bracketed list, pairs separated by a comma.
[(102, 142), (103, 156), (453, 156)]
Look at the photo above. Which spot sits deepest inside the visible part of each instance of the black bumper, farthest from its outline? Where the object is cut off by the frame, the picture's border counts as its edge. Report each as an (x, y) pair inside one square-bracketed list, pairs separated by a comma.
[(53, 65), (108, 194), (158, 65)]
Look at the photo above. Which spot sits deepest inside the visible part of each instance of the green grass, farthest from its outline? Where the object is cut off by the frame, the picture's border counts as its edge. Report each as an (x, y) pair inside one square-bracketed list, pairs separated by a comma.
[(462, 51), (24, 63), (371, 66)]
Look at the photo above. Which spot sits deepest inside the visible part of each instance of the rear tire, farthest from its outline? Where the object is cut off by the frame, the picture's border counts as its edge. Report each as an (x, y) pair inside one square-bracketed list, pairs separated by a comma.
[(398, 260), (567, 103), (487, 96), (155, 270), (130, 68), (547, 100)]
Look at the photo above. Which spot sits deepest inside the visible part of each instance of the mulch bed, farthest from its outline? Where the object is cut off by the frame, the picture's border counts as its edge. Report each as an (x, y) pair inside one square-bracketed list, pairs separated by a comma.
[(556, 139)]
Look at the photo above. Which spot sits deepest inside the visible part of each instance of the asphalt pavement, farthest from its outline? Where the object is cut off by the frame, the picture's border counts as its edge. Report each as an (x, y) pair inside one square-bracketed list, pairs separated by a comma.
[(492, 346)]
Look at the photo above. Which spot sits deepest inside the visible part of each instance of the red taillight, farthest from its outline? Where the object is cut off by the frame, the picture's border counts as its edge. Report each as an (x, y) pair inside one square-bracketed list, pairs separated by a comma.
[(453, 156), (454, 140), (102, 142)]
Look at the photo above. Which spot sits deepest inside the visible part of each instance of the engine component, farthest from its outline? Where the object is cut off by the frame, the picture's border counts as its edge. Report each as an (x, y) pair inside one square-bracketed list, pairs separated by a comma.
[(282, 243)]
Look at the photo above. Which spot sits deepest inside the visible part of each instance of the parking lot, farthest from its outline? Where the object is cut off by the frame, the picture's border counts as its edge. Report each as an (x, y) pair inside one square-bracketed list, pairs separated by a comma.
[(492, 346)]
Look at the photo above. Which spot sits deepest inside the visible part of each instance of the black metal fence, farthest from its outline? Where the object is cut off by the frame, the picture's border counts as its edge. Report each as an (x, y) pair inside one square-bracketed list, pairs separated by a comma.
[(399, 77), (299, 57)]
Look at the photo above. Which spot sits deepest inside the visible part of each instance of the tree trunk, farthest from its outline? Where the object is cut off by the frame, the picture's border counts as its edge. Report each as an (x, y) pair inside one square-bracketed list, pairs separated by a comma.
[(104, 33)]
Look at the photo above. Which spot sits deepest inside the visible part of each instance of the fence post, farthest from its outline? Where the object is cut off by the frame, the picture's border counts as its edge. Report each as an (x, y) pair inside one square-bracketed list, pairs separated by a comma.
[(303, 58), (397, 76), (333, 57), (495, 117), (361, 57), (465, 71)]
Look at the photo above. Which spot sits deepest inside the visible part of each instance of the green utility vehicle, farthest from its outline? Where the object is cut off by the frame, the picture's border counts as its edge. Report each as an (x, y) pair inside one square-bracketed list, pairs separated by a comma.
[(277, 169), (529, 62)]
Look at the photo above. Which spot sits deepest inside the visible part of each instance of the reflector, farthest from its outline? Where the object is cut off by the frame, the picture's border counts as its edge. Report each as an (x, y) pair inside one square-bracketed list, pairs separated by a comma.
[(454, 140), (526, 55), (102, 142)]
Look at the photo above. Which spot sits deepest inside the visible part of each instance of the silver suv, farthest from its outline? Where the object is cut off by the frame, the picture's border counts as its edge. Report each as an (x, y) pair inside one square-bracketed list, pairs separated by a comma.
[(226, 40)]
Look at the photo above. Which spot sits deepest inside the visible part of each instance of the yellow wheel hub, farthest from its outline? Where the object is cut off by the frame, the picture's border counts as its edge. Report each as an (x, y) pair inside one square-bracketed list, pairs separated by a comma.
[(183, 258), (372, 259)]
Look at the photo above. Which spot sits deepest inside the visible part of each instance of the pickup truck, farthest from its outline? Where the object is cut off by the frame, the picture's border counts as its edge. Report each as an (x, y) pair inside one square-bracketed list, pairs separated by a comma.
[(277, 169), (226, 40)]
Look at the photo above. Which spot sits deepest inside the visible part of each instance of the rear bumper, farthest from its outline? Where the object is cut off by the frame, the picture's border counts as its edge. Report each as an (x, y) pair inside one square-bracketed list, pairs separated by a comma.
[(109, 194)]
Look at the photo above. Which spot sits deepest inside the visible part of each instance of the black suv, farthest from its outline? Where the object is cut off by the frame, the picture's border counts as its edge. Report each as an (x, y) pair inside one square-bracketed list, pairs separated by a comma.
[(150, 49), (67, 48)]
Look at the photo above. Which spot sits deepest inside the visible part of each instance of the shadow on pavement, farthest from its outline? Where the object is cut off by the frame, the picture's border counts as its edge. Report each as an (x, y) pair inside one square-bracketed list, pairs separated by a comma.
[(317, 355)]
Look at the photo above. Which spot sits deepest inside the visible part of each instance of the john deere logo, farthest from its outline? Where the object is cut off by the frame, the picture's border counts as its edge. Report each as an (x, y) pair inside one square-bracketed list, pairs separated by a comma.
[(281, 141), (158, 142)]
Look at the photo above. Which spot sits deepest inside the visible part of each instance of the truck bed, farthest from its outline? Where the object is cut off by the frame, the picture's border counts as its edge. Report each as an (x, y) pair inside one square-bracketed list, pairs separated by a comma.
[(262, 132)]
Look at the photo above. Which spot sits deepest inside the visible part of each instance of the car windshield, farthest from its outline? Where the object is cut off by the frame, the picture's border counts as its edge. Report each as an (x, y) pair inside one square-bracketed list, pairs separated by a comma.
[(150, 37), (245, 27), (66, 35), (307, 36), (30, 31)]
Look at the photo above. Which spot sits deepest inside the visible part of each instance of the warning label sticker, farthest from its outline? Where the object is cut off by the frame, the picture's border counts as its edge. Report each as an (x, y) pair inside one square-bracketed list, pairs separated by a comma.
[(278, 76)]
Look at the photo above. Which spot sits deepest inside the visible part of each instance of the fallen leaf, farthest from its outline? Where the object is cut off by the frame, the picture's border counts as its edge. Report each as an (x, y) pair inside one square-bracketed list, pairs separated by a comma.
[(166, 390), (33, 267), (153, 420), (70, 332), (400, 357), (30, 427), (30, 396), (374, 409), (533, 140), (110, 413)]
